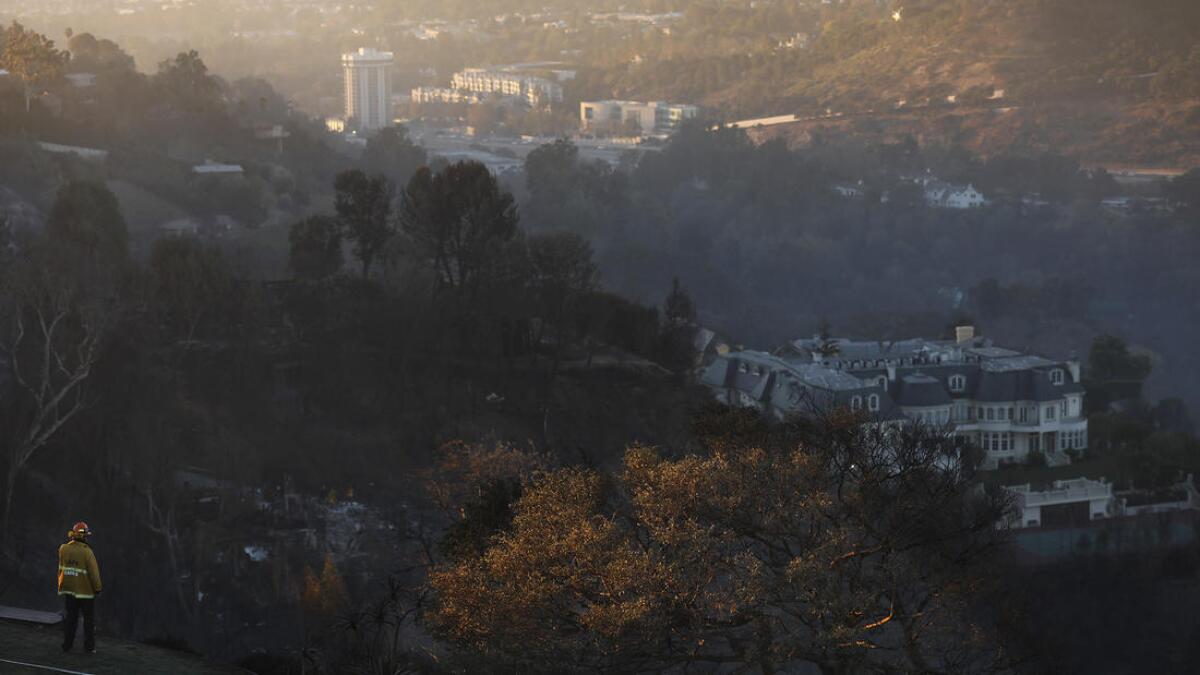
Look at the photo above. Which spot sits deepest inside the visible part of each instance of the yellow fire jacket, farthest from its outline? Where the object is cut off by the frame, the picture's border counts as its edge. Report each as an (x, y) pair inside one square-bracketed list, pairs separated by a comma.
[(78, 573)]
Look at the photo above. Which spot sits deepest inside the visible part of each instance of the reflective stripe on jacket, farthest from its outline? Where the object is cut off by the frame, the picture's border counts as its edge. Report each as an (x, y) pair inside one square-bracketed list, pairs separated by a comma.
[(78, 573)]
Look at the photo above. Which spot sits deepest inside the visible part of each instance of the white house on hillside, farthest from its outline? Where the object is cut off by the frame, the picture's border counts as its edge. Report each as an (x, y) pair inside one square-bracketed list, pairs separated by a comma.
[(1008, 403), (947, 196)]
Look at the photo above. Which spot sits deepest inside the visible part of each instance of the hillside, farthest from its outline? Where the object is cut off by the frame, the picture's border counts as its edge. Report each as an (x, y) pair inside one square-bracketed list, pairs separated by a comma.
[(40, 645), (1082, 77), (1110, 134)]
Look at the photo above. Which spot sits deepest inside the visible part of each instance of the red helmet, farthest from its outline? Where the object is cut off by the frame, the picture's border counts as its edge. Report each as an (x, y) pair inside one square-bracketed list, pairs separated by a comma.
[(80, 530)]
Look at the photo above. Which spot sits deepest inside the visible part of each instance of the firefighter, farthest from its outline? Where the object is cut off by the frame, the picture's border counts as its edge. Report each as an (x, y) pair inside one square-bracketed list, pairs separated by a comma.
[(79, 584)]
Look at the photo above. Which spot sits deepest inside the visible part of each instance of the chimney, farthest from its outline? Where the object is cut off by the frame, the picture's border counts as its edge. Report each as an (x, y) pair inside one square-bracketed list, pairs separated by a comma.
[(1073, 366), (891, 370), (964, 334)]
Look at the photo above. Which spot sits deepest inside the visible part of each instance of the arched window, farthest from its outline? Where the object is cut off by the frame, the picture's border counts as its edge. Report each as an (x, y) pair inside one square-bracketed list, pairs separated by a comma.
[(958, 383), (1056, 376), (882, 382), (873, 402), (856, 403)]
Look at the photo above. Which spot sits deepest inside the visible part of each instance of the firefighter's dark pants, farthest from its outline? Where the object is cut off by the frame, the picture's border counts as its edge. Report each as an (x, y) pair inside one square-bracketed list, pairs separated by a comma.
[(75, 607)]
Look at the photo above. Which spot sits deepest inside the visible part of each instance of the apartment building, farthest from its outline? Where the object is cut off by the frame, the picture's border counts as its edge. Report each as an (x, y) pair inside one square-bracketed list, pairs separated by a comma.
[(1007, 402), (654, 117), (535, 91), (368, 89), (445, 95)]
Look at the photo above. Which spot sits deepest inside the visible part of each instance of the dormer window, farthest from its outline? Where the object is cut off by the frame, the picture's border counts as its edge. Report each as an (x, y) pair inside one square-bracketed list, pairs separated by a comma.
[(742, 367), (873, 402), (856, 403), (958, 383), (1056, 377)]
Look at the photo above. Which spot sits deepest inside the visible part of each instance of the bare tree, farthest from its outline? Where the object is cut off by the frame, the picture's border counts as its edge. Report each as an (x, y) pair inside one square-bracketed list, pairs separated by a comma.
[(161, 520), (53, 338)]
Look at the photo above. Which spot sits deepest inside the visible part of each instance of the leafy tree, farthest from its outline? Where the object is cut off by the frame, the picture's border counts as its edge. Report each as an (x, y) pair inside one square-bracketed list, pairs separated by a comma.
[(678, 335), (390, 152), (255, 100), (853, 547), (567, 190), (364, 207), (476, 484), (191, 282), (560, 272), (316, 248), (89, 240), (551, 168), (678, 308), (89, 55), (457, 219), (486, 118), (1113, 372), (1172, 415), (186, 83), (31, 58), (322, 598)]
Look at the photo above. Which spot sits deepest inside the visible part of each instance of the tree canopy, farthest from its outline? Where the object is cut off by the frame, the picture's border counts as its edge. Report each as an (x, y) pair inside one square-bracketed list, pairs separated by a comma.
[(186, 83), (316, 247), (31, 57), (853, 547), (390, 152), (364, 207), (457, 218)]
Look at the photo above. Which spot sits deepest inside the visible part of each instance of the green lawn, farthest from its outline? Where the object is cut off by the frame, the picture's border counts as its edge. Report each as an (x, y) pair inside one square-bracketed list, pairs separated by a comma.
[(41, 645)]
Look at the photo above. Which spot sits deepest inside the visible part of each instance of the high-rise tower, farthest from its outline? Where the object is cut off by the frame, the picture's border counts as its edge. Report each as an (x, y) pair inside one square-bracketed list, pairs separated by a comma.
[(368, 89)]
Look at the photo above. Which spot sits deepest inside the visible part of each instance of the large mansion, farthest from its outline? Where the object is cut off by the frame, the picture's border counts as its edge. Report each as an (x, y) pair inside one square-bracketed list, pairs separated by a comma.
[(1009, 403)]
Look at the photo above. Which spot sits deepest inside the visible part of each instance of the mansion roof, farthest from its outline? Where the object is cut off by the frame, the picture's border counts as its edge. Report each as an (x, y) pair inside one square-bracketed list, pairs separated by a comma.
[(913, 373)]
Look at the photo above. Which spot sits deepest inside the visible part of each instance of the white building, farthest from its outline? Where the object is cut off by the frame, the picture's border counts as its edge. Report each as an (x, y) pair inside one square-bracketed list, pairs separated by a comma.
[(1078, 501), (947, 196), (368, 89), (1091, 498), (1008, 403), (535, 91), (445, 95), (653, 117)]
